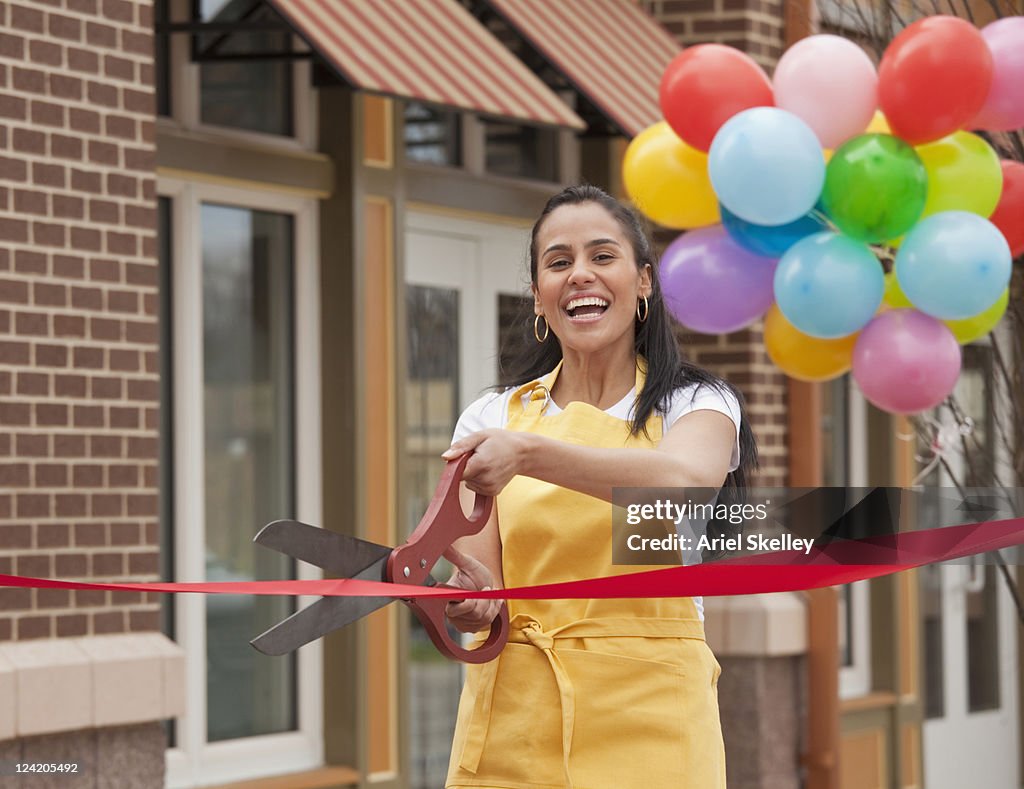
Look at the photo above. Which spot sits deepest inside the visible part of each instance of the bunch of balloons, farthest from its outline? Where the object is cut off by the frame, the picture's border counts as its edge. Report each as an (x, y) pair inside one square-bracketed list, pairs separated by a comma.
[(848, 206)]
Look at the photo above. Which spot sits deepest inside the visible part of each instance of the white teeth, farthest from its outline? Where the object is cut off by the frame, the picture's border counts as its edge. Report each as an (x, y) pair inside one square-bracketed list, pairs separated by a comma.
[(589, 301)]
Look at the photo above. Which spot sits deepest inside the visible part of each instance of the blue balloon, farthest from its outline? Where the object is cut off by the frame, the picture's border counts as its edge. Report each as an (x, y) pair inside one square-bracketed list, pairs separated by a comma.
[(953, 265), (829, 285), (766, 166), (770, 241)]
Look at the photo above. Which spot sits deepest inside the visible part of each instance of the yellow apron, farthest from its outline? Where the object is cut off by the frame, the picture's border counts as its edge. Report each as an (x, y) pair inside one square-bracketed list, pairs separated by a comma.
[(588, 694)]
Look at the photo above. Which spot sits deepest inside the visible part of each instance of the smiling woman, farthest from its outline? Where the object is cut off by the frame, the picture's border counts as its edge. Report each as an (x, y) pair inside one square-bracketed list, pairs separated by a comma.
[(590, 692)]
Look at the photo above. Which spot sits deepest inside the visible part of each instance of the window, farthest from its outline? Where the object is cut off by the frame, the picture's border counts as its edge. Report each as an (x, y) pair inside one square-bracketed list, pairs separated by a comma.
[(241, 399), (522, 151), (432, 135)]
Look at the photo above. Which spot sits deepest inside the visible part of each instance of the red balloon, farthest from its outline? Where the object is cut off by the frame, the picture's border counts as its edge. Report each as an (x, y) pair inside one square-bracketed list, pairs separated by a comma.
[(706, 85), (1009, 213), (934, 78)]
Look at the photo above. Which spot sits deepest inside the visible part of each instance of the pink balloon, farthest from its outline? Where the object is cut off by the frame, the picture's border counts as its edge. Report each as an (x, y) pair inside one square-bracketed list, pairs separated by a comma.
[(713, 285), (831, 84), (1004, 107), (905, 361)]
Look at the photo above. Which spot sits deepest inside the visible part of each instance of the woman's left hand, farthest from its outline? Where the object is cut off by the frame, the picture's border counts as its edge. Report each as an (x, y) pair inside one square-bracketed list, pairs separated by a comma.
[(497, 457)]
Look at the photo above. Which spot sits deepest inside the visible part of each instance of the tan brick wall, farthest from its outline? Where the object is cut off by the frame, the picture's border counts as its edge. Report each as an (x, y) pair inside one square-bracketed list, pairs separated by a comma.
[(79, 388)]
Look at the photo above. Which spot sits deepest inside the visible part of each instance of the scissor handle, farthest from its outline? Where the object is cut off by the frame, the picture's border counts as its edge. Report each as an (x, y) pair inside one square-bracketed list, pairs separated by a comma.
[(442, 524)]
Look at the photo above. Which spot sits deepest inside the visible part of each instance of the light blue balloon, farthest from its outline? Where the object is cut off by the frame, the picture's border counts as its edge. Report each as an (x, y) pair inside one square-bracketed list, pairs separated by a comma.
[(766, 166), (953, 265), (829, 285)]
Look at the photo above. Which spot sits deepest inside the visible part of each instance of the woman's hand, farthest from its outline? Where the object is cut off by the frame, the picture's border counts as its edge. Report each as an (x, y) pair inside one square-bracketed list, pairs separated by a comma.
[(469, 616), (498, 455)]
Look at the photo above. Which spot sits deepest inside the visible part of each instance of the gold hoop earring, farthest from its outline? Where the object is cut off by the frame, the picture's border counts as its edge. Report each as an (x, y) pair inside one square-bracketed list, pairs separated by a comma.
[(647, 310), (536, 328)]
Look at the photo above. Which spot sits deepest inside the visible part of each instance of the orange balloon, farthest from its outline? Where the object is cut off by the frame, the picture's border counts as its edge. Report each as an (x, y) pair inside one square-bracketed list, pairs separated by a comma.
[(804, 357)]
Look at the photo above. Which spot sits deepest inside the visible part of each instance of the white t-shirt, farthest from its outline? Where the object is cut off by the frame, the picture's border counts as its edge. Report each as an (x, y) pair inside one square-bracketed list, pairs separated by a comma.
[(491, 411)]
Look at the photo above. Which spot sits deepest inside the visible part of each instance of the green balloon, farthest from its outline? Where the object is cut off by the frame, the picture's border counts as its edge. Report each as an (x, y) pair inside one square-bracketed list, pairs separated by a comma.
[(875, 187)]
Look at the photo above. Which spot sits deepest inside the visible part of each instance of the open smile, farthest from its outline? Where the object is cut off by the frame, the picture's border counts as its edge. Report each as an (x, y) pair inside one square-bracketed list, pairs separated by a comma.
[(586, 309)]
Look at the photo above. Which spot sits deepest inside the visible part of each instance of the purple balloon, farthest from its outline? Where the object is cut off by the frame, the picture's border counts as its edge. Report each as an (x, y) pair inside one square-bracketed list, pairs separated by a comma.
[(713, 285), (905, 361), (1004, 107)]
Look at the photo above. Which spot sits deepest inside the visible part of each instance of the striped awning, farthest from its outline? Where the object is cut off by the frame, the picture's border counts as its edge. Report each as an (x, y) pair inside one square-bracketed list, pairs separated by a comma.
[(611, 51), (428, 50)]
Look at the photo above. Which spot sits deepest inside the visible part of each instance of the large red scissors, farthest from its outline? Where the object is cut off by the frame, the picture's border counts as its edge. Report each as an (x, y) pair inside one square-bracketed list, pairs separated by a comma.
[(410, 563)]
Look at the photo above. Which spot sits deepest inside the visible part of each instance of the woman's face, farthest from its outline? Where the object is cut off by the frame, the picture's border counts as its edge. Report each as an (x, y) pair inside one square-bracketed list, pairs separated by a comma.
[(588, 282)]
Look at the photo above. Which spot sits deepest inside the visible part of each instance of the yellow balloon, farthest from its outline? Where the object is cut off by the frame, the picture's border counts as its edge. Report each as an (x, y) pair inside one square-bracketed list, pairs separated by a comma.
[(878, 125), (964, 174), (894, 297), (977, 326), (668, 180), (804, 357)]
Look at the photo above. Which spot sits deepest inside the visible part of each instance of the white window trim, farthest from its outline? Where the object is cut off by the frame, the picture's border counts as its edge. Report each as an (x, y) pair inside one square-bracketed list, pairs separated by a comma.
[(194, 762), (855, 679), (184, 98)]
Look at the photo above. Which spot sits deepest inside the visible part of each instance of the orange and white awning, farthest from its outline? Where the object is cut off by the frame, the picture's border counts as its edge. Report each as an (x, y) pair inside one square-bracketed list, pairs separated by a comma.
[(428, 50), (611, 51)]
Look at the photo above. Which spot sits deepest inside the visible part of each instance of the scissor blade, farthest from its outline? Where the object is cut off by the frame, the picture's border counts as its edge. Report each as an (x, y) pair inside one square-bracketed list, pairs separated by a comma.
[(339, 554), (322, 617)]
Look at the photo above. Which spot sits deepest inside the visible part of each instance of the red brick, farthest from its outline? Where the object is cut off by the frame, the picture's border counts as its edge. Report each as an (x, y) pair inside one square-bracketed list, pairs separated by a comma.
[(67, 445), (87, 476), (68, 207), (121, 243), (71, 565), (124, 534), (86, 298), (140, 101), (149, 250), (63, 146), (86, 239), (72, 625), (143, 332), (88, 7), (106, 505), (103, 388), (139, 159), (98, 35), (66, 27), (119, 68), (137, 43), (49, 295), (15, 535), (108, 564), (30, 627), (33, 565), (12, 414), (146, 72), (143, 448), (144, 621), (143, 564), (45, 52), (13, 291), (31, 445), (32, 505), (141, 217), (6, 629), (33, 384), (122, 185), (106, 446), (48, 234), (28, 19), (124, 418), (12, 46), (121, 126), (30, 202), (108, 622), (144, 391), (86, 121), (123, 301), (124, 361), (29, 141), (14, 475), (15, 599), (68, 326), (53, 598), (105, 153), (28, 262), (88, 416), (46, 113), (107, 212), (13, 107), (121, 475), (29, 80), (12, 169), (71, 505), (68, 266), (87, 357), (51, 475), (44, 174), (15, 230), (147, 504), (83, 60), (147, 131), (51, 414), (65, 87), (14, 352), (102, 94)]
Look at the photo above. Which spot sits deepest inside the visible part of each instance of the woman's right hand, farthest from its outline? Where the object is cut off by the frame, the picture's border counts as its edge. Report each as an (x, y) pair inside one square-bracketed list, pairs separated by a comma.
[(470, 616)]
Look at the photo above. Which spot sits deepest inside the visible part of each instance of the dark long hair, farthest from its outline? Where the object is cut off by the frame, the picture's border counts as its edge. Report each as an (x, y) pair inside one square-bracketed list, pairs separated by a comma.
[(667, 370)]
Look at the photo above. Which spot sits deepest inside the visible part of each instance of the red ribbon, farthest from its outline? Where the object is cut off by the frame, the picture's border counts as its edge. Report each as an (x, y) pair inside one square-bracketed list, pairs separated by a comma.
[(839, 562)]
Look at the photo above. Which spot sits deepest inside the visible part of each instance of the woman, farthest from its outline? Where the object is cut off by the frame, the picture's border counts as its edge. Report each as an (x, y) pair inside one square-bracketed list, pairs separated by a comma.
[(591, 694)]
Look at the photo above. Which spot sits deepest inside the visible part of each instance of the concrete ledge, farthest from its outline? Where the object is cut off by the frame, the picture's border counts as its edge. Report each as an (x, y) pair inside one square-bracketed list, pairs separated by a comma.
[(766, 625), (80, 683)]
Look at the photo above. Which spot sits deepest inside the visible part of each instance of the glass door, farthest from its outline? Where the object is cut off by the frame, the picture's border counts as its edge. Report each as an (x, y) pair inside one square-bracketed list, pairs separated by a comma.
[(461, 278)]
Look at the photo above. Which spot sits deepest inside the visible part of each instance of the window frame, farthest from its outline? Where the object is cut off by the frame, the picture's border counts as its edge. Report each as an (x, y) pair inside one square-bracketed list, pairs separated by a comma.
[(194, 761)]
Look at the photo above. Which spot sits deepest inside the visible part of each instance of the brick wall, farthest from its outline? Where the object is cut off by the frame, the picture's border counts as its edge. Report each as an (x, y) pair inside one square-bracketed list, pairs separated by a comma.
[(79, 388)]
